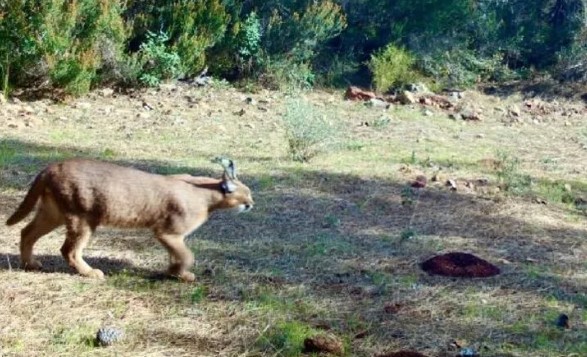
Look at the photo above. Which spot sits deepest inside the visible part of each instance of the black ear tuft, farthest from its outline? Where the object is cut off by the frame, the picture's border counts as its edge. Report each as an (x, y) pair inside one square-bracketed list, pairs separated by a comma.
[(228, 186)]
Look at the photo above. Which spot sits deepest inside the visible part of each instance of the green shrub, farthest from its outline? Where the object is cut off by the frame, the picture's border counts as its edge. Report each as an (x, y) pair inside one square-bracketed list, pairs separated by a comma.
[(159, 62), (287, 75), (464, 68), (392, 67), (191, 26), (20, 49), (248, 44), (308, 130)]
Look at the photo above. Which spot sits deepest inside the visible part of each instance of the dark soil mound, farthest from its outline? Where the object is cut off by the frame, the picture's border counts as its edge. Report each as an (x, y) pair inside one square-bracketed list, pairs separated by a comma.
[(462, 265)]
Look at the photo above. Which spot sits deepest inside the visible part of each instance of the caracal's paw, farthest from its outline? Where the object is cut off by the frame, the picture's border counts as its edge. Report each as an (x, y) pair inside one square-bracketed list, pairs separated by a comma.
[(95, 274), (187, 276), (33, 265)]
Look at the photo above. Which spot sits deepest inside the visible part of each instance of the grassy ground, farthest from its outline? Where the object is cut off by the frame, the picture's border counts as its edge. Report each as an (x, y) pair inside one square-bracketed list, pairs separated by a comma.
[(329, 247)]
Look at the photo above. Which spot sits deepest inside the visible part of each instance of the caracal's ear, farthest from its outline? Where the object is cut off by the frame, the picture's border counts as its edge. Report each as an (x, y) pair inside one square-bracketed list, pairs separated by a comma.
[(227, 165), (229, 176)]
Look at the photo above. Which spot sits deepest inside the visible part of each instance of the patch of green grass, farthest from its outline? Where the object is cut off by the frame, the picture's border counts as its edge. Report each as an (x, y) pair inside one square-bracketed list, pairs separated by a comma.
[(555, 192), (80, 337), (355, 145), (381, 122), (477, 310), (510, 177), (286, 338), (198, 294), (13, 344), (265, 182), (274, 303), (326, 244), (133, 282), (7, 154), (331, 221), (108, 154), (407, 234), (407, 280)]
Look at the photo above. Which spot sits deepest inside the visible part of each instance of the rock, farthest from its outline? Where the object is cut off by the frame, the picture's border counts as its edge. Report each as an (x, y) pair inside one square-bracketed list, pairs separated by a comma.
[(26, 110), (143, 115), (452, 184), (452, 116), (406, 97), (425, 101), (16, 125), (392, 308), (377, 103), (418, 88), (169, 87), (147, 106), (456, 95), (470, 114), (250, 101), (468, 352), (106, 92), (420, 182), (83, 105), (428, 113), (107, 336), (514, 110), (33, 121), (324, 343), (356, 93)]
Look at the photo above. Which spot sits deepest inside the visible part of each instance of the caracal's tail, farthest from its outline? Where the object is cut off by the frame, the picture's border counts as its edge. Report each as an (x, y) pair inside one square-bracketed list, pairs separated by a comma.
[(30, 200)]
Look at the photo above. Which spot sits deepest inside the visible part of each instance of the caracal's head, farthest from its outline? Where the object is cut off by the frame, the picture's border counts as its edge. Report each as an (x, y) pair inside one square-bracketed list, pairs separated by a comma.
[(237, 196)]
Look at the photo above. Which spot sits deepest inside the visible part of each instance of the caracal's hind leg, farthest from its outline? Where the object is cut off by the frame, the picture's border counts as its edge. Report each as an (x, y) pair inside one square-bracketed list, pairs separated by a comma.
[(46, 219), (78, 235), (180, 257)]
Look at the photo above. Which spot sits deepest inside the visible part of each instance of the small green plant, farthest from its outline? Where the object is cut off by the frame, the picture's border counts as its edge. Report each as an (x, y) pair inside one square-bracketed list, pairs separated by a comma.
[(381, 122), (308, 130), (407, 234), (555, 192), (331, 221), (159, 62), (410, 198), (509, 175), (392, 67), (286, 338), (198, 294)]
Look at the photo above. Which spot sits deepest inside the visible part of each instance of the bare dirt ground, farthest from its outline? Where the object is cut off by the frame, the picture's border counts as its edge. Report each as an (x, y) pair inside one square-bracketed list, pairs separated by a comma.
[(331, 247)]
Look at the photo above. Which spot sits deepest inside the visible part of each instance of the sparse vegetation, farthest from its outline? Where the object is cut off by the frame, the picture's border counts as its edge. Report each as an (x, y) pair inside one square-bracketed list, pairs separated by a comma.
[(286, 338), (509, 174), (309, 130)]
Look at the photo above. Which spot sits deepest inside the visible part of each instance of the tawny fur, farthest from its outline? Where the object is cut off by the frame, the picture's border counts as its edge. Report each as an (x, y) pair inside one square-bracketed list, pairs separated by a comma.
[(84, 194)]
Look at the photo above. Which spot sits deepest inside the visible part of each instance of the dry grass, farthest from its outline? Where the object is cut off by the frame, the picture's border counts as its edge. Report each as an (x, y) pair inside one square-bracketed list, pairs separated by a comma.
[(323, 248)]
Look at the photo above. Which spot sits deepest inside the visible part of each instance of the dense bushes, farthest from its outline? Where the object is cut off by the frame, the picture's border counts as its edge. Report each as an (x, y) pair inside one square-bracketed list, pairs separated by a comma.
[(77, 44)]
